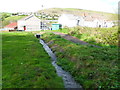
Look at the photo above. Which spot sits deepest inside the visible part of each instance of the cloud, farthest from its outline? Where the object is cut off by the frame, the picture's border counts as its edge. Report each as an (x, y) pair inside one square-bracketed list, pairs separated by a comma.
[(97, 5), (20, 5)]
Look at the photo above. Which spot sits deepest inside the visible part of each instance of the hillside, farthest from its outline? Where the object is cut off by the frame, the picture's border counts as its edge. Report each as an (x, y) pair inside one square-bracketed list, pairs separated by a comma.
[(79, 12), (11, 19)]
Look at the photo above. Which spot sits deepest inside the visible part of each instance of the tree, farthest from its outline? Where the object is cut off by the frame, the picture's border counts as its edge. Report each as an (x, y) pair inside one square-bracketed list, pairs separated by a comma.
[(3, 16)]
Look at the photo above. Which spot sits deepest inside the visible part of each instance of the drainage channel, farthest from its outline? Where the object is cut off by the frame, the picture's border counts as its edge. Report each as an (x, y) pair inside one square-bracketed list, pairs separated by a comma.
[(69, 82)]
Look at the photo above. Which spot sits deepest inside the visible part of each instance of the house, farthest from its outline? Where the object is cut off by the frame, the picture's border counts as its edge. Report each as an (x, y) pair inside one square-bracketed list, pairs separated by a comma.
[(109, 24), (11, 26), (29, 23), (70, 20), (90, 21)]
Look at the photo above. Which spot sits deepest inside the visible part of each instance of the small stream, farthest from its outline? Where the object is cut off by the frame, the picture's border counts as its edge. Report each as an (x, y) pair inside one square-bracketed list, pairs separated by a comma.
[(69, 82)]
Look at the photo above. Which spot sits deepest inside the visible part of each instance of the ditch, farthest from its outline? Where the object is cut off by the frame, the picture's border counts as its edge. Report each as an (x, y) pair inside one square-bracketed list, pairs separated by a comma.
[(69, 82)]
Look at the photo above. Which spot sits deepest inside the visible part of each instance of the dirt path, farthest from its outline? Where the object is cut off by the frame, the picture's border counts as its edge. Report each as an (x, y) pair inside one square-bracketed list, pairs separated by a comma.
[(72, 39)]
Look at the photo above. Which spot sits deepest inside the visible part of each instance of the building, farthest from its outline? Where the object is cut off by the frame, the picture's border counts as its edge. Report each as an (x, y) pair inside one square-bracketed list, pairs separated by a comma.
[(11, 26), (56, 26), (29, 23), (92, 22), (70, 20)]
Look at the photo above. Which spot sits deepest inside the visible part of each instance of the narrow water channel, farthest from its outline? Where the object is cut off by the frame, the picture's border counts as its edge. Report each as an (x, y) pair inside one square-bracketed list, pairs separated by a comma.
[(69, 82)]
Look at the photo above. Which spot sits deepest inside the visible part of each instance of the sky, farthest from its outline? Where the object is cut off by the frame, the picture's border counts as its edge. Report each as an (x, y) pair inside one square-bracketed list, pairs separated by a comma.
[(35, 5)]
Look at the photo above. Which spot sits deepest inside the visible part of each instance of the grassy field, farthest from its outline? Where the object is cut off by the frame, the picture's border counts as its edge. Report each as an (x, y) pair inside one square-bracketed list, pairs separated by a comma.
[(25, 64), (91, 67)]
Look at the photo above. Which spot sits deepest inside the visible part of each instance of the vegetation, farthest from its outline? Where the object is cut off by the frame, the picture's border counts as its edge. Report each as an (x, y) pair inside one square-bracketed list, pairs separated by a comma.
[(92, 67), (25, 63), (97, 36), (8, 20), (4, 15), (79, 12)]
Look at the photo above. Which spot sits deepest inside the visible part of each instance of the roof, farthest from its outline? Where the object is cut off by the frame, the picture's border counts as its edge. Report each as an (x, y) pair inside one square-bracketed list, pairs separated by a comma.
[(88, 18), (28, 17), (91, 18), (12, 25), (71, 16)]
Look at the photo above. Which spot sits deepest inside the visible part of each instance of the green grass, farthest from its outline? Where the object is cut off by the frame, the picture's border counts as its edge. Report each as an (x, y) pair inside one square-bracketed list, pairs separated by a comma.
[(80, 12), (25, 63), (97, 36), (91, 67), (14, 18), (11, 19)]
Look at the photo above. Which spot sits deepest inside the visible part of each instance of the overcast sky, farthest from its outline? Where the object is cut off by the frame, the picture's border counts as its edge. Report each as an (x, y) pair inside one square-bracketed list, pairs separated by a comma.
[(35, 5)]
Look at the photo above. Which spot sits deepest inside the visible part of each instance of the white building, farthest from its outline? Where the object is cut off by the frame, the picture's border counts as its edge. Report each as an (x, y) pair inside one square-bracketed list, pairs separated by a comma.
[(29, 23), (70, 20), (109, 24), (92, 22)]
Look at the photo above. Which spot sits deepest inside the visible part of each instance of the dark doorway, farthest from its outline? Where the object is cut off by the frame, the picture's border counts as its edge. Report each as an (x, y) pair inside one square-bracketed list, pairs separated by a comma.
[(78, 22), (99, 26)]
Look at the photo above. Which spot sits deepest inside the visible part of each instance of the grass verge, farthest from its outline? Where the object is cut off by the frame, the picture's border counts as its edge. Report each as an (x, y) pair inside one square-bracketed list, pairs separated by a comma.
[(91, 67), (25, 63)]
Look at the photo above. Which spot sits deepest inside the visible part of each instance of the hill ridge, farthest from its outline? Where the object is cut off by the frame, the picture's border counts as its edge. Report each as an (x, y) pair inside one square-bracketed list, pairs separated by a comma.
[(79, 12)]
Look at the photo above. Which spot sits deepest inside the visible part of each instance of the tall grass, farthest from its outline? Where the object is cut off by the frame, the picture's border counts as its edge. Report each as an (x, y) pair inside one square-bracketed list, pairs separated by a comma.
[(98, 36)]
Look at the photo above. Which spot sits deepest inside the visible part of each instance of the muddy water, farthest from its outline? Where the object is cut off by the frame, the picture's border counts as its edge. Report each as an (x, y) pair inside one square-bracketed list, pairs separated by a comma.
[(69, 82)]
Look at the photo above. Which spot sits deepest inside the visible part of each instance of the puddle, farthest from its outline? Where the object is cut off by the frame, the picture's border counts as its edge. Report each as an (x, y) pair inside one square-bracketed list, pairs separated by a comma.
[(69, 82)]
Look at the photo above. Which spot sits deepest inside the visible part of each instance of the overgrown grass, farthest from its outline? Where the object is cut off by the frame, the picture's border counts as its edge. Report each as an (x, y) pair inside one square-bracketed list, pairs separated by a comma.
[(91, 67), (25, 63), (97, 36)]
